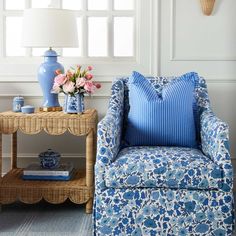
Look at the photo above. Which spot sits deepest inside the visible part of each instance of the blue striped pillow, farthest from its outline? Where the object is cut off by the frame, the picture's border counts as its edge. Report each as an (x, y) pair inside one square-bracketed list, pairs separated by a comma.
[(165, 119)]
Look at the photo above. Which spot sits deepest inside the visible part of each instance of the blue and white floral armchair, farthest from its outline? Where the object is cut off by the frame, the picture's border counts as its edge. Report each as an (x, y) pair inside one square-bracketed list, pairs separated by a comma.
[(142, 190)]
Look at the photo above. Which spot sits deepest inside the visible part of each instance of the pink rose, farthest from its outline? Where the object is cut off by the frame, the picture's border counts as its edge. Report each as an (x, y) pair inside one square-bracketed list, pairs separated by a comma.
[(69, 74), (58, 71), (80, 82), (88, 76), (98, 85), (60, 79), (69, 87), (56, 88), (89, 68), (89, 87)]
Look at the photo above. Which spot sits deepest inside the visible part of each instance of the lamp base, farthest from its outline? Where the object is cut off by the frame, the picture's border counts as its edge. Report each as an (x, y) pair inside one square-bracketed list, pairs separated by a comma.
[(46, 75), (47, 109)]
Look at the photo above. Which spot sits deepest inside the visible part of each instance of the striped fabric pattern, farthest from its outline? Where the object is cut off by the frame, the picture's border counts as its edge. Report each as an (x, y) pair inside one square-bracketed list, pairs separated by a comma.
[(165, 119)]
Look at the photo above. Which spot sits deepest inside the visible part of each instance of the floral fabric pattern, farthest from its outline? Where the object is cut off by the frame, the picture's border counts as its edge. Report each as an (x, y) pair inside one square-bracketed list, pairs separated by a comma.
[(169, 167), (215, 144), (161, 211), (136, 195)]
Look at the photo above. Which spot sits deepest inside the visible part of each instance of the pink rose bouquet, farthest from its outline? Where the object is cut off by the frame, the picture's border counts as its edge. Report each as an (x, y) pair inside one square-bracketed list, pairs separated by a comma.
[(75, 81)]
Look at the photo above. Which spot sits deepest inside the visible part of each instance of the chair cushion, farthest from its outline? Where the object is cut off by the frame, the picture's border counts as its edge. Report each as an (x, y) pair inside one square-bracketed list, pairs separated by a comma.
[(165, 118), (171, 167)]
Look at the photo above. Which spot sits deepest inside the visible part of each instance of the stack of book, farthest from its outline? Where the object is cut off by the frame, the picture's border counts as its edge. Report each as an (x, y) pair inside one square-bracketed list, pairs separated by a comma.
[(35, 172)]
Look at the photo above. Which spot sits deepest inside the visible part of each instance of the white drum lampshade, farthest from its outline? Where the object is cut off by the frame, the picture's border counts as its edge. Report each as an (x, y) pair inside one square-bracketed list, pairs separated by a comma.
[(47, 28)]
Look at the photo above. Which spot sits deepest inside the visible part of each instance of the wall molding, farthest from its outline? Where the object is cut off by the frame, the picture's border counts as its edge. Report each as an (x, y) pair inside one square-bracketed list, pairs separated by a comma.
[(32, 78), (220, 80), (174, 57), (24, 79), (33, 96), (105, 94), (32, 89), (155, 19)]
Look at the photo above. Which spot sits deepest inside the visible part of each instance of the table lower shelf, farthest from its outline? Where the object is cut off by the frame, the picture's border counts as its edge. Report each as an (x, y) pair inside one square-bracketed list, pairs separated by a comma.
[(13, 188)]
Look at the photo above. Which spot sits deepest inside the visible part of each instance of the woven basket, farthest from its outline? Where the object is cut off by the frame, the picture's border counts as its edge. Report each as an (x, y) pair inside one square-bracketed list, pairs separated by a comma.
[(207, 6)]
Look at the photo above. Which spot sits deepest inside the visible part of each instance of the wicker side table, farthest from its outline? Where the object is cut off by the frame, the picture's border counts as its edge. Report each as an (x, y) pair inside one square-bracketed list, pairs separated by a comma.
[(80, 189)]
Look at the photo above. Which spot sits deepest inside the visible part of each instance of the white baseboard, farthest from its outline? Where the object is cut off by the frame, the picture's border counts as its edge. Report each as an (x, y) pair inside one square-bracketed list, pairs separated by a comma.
[(35, 155)]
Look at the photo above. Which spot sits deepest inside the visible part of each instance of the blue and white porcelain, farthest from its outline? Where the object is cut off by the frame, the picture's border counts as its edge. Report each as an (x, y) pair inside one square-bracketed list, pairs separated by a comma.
[(27, 109), (17, 103), (46, 75), (74, 104), (49, 159)]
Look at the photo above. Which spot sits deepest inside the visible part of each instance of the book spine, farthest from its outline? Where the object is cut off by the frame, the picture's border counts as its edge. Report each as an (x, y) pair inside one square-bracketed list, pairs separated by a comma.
[(36, 177), (46, 173)]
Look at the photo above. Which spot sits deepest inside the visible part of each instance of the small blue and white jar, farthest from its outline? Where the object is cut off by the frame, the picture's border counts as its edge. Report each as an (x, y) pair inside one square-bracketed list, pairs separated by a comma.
[(74, 104), (49, 159), (17, 103)]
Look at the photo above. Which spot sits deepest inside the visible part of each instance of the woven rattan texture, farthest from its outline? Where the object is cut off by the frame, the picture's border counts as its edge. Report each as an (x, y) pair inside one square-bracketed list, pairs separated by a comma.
[(13, 188), (54, 123), (80, 189)]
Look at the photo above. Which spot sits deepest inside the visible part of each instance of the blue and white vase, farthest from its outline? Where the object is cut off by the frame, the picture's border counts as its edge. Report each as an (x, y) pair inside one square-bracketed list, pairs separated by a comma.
[(49, 159), (74, 104)]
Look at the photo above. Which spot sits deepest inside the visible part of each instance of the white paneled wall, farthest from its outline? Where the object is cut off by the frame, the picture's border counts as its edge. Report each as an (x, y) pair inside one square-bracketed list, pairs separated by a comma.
[(190, 41), (182, 39)]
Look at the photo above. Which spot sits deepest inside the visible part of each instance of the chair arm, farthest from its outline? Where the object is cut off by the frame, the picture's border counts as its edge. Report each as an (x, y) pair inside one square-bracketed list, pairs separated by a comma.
[(109, 133), (109, 138), (215, 144)]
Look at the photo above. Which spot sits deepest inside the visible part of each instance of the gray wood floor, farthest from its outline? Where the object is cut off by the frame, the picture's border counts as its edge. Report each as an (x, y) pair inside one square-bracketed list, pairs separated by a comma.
[(45, 219)]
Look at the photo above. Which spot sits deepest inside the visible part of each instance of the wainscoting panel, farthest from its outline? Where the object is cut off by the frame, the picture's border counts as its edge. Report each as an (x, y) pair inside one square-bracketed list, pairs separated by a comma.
[(199, 38), (191, 41)]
